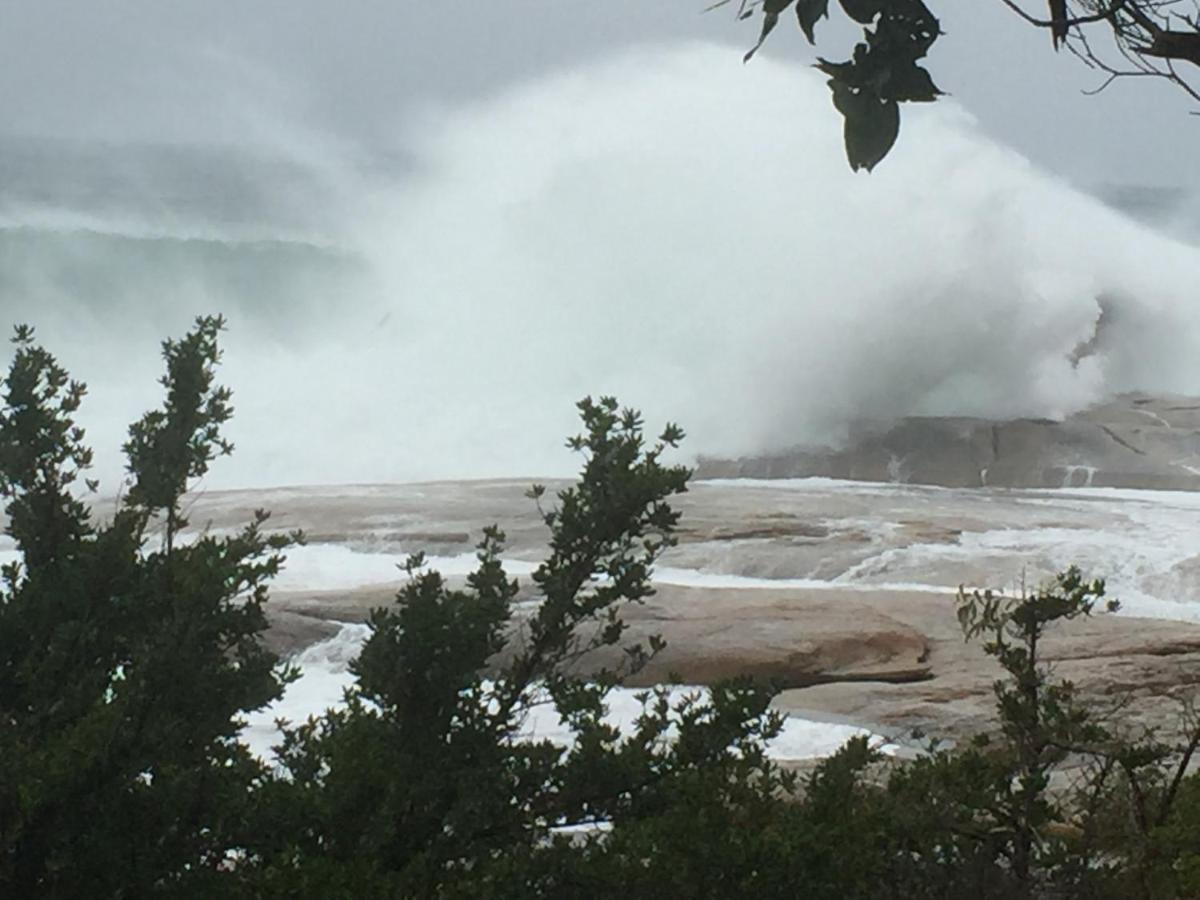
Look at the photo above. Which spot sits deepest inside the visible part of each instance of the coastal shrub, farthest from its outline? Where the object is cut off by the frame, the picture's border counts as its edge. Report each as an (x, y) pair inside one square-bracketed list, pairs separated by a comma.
[(131, 650), (422, 783), (126, 658)]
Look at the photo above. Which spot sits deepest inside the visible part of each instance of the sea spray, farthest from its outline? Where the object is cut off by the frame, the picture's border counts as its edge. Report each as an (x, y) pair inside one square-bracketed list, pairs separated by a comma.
[(668, 226)]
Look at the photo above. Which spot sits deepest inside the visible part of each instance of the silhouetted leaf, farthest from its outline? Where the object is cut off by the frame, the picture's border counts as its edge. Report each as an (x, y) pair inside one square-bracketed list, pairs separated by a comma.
[(808, 12), (841, 72), (911, 84), (905, 30), (1058, 15), (871, 128), (862, 11), (771, 11)]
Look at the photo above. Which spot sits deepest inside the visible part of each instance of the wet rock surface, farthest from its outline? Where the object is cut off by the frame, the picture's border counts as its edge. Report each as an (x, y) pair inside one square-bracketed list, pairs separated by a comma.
[(791, 638), (1133, 441), (842, 593)]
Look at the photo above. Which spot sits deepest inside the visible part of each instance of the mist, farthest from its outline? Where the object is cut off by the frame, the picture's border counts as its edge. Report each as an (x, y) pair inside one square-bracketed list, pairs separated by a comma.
[(667, 226)]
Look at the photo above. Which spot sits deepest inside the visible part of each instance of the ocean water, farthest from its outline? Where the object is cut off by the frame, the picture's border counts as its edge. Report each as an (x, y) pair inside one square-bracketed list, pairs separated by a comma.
[(666, 225)]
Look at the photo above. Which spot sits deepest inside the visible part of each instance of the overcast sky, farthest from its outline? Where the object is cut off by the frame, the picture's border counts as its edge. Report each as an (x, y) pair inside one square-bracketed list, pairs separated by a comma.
[(208, 70)]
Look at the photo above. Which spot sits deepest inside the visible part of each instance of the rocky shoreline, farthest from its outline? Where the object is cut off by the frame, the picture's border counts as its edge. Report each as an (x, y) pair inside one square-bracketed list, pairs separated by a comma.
[(1132, 441), (843, 594), (892, 661)]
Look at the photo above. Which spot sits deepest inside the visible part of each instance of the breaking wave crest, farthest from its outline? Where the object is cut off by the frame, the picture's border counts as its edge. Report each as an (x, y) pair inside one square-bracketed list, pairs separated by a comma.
[(668, 226)]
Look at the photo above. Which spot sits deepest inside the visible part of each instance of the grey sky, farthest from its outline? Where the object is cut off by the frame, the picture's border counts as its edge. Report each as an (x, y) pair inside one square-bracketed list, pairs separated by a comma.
[(203, 70)]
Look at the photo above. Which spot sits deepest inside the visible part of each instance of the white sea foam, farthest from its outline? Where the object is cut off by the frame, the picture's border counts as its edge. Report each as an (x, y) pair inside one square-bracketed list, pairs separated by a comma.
[(669, 226), (8, 551), (332, 567), (325, 677), (1143, 543), (716, 580), (323, 680), (327, 567), (800, 738)]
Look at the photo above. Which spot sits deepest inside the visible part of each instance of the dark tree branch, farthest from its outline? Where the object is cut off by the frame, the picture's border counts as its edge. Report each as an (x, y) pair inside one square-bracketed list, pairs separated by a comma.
[(1185, 762), (1102, 16), (1146, 36)]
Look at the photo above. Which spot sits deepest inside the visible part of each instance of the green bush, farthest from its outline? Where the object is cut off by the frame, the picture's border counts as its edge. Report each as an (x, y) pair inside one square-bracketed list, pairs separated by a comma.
[(125, 659), (129, 656)]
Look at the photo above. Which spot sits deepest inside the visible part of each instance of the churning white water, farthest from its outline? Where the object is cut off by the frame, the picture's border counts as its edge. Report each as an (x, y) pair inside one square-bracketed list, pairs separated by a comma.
[(669, 226), (325, 676)]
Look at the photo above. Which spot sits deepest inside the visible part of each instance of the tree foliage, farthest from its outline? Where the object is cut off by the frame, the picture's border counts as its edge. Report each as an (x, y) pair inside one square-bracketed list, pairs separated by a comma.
[(882, 72), (1144, 38), (129, 652), (124, 666), (425, 784)]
